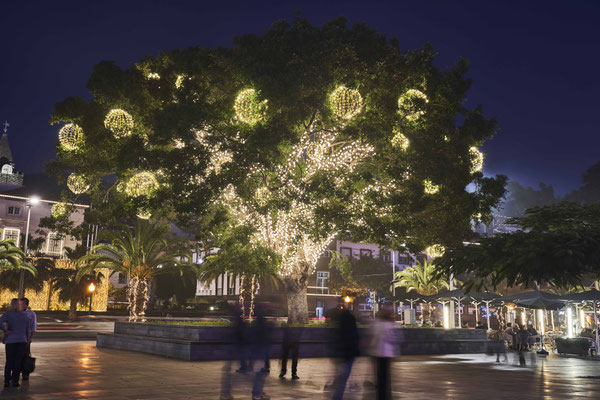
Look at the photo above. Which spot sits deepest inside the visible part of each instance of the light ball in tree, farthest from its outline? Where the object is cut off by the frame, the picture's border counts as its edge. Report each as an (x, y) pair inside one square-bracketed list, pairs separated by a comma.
[(248, 107), (141, 184), (436, 250), (429, 187), (78, 183), (346, 103), (411, 104), (119, 122), (70, 136), (59, 210), (476, 159), (400, 141), (144, 213)]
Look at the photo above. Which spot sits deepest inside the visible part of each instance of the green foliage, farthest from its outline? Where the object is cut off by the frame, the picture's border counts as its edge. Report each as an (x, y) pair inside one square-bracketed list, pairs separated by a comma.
[(423, 278), (590, 190), (70, 286), (13, 261), (522, 198), (142, 252), (354, 277), (558, 244), (181, 285)]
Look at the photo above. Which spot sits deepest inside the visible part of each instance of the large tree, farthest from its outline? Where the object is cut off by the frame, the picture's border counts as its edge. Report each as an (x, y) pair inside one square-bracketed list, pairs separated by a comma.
[(302, 134)]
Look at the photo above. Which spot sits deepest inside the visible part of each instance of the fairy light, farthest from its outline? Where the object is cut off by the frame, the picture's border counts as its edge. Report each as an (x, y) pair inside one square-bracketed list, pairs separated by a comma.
[(78, 183), (59, 210), (179, 81), (400, 141), (346, 103), (429, 187), (476, 159), (435, 251), (410, 104), (144, 213), (70, 136), (141, 184), (153, 75), (119, 122), (248, 107)]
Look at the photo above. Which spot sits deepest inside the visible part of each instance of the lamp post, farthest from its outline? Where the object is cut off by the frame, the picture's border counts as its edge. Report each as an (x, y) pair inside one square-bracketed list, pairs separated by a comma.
[(91, 289), (33, 201)]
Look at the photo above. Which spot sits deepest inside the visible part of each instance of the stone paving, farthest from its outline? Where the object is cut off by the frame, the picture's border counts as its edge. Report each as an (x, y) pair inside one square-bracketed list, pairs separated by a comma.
[(78, 370)]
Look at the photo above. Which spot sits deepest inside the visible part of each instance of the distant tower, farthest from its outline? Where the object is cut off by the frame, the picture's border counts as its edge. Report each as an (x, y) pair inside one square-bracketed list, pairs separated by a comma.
[(8, 175)]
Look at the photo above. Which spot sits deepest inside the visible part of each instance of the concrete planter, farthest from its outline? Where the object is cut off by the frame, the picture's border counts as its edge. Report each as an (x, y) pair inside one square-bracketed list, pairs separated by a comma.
[(196, 343)]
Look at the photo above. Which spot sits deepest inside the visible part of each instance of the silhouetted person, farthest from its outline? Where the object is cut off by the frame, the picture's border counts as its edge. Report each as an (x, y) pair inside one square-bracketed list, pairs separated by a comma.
[(24, 301), (237, 351), (346, 340), (290, 346), (480, 325), (261, 340), (383, 348), (17, 331)]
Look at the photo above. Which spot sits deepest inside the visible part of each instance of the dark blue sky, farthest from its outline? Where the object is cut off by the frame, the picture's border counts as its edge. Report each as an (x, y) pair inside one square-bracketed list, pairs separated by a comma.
[(535, 64)]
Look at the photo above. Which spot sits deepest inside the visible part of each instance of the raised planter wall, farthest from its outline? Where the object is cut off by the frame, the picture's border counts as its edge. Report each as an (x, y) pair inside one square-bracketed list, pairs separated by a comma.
[(195, 343)]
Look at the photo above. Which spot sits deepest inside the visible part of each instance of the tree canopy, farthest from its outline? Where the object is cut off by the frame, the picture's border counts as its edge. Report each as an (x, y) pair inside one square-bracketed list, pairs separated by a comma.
[(557, 244)]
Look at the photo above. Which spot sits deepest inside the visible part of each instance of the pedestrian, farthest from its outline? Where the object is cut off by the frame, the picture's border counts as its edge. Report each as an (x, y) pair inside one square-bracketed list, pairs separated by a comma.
[(33, 327), (17, 331), (383, 348), (290, 346), (346, 340), (261, 342)]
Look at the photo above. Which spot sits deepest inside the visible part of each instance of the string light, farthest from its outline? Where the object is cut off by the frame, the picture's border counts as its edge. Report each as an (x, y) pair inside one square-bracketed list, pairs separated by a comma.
[(400, 141), (476, 159), (179, 81), (346, 103), (59, 210), (410, 104), (141, 184), (78, 183), (153, 75), (435, 251), (119, 122), (429, 187), (70, 136), (248, 107)]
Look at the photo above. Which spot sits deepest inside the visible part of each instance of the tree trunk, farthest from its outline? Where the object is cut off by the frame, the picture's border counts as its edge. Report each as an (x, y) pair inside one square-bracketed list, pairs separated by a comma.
[(141, 300), (242, 291), (252, 295), (73, 310), (131, 297), (296, 299)]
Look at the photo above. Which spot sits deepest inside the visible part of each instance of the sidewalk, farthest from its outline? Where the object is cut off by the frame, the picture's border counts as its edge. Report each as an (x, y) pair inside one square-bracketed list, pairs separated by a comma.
[(78, 370)]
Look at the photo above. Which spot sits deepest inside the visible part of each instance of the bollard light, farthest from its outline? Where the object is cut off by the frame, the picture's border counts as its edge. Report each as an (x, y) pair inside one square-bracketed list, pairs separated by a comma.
[(569, 322)]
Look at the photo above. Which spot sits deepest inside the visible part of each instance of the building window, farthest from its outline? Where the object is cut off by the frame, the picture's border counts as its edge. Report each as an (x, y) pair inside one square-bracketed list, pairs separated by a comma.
[(364, 253), (386, 256), (322, 282), (12, 210), (405, 259), (365, 307), (54, 244), (122, 279), (346, 251), (11, 234)]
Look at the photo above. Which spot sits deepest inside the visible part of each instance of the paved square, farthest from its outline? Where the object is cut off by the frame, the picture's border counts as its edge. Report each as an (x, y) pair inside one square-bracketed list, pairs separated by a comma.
[(78, 370)]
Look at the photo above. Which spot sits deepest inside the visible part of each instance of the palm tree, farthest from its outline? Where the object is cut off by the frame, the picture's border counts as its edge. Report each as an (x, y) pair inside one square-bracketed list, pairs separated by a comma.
[(422, 278), (12, 262), (70, 288), (141, 253)]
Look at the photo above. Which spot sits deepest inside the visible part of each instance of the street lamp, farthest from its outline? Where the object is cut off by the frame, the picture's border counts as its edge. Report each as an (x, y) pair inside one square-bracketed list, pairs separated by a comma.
[(91, 289), (32, 202)]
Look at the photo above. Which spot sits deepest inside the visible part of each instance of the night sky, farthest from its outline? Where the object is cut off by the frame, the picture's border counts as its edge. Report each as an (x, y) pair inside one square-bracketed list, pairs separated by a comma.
[(535, 64)]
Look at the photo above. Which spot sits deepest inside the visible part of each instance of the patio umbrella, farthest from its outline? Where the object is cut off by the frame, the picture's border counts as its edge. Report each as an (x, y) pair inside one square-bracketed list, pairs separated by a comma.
[(487, 298), (592, 295), (411, 297), (457, 295)]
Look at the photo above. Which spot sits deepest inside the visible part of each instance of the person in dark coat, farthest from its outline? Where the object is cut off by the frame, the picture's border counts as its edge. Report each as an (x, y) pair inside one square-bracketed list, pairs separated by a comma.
[(346, 339), (291, 343), (17, 332)]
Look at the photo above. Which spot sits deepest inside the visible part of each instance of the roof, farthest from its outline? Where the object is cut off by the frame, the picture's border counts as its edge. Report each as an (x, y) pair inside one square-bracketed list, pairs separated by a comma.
[(5, 148)]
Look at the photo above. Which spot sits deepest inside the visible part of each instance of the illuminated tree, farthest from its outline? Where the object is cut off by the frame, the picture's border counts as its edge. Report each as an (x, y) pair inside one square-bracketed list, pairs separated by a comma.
[(303, 135)]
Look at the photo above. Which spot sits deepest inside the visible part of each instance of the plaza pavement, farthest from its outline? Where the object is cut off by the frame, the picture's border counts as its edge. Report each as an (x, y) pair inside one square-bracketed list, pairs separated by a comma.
[(78, 370)]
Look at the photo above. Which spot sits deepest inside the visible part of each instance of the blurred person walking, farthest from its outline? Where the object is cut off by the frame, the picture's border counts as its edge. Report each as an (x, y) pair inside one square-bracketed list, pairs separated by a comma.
[(291, 343), (383, 348), (17, 332), (33, 327), (261, 341), (346, 341)]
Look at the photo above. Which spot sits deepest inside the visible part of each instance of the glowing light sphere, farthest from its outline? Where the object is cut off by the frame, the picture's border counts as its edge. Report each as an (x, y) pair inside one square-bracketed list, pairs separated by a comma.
[(400, 141), (70, 136), (141, 184), (429, 187), (119, 122), (248, 107), (77, 183), (59, 210), (436, 250), (476, 159), (153, 75), (410, 104), (346, 103)]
